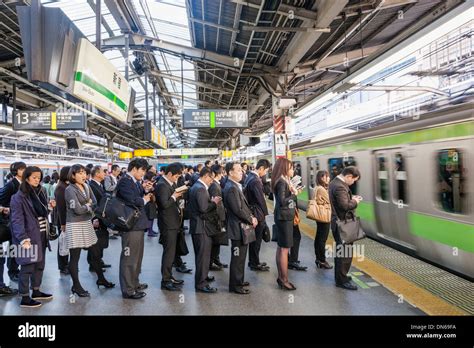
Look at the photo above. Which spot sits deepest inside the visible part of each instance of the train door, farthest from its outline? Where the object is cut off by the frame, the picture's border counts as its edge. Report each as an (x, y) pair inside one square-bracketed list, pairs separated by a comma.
[(391, 196)]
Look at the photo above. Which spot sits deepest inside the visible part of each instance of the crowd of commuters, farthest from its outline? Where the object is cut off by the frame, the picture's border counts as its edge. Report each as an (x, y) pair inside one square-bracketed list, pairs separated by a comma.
[(225, 204)]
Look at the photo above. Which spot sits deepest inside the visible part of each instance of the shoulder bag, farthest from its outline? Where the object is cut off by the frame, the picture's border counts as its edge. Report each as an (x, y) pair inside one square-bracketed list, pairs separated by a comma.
[(350, 229), (116, 212)]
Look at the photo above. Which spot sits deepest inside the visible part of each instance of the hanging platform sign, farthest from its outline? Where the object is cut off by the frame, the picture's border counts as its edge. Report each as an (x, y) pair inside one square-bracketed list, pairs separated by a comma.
[(215, 118), (36, 120)]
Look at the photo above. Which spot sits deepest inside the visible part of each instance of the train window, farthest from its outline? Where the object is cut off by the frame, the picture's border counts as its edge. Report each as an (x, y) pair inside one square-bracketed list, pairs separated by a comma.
[(382, 176), (400, 176), (451, 194), (297, 166), (313, 170), (336, 165)]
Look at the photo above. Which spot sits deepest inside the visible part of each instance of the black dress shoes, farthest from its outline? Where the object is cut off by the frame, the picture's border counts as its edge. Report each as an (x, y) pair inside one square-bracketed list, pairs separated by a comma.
[(347, 285), (207, 289), (177, 281), (183, 269), (210, 279), (142, 287), (135, 296), (215, 267), (296, 266), (245, 284), (240, 291), (221, 265), (260, 268), (170, 286), (106, 265)]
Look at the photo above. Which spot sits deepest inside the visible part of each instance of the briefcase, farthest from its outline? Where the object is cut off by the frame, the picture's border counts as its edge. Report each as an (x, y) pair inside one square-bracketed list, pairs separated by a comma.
[(248, 234), (350, 229), (116, 212)]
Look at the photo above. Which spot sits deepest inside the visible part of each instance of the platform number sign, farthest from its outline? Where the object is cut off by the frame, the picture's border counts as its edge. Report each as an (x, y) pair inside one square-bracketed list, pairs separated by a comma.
[(36, 120)]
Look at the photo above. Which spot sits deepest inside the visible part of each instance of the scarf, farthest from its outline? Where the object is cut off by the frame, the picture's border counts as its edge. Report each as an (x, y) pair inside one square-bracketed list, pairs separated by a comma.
[(39, 200)]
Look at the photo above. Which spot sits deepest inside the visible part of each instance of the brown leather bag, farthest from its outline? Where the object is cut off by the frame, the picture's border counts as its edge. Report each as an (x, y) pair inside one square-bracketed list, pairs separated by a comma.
[(319, 212)]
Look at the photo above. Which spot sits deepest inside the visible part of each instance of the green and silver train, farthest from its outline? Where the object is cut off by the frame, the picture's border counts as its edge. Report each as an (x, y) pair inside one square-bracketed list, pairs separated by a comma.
[(417, 183)]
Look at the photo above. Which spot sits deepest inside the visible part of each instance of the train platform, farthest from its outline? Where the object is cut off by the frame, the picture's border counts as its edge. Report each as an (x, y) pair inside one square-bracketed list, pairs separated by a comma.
[(389, 282)]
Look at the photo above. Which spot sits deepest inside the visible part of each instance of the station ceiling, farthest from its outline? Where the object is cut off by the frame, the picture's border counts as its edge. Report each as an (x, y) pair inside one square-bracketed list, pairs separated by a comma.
[(236, 54)]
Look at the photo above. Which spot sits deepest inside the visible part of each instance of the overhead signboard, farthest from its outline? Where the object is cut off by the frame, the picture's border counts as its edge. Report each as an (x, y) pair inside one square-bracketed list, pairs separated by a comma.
[(98, 81), (36, 120), (211, 151), (215, 118), (153, 134)]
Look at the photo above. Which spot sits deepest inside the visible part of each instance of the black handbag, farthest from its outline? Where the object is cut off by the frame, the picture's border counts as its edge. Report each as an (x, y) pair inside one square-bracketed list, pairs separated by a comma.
[(51, 231), (116, 212), (5, 232), (274, 233), (350, 229), (266, 234), (248, 234)]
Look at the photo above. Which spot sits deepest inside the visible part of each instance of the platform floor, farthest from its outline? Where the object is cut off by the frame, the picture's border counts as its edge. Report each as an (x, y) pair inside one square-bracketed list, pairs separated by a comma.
[(316, 293)]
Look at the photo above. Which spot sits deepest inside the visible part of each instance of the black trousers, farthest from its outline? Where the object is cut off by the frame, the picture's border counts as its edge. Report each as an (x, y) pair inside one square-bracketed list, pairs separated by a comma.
[(215, 253), (31, 276), (237, 264), (322, 233), (131, 261), (168, 238), (202, 244), (12, 265), (295, 249), (342, 257), (254, 247), (102, 243)]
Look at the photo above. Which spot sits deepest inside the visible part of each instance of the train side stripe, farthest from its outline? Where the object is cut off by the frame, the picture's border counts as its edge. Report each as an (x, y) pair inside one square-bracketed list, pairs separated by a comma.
[(443, 231), (443, 132)]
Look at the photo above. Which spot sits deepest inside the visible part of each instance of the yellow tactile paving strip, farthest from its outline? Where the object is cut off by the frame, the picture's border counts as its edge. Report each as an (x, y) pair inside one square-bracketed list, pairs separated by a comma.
[(412, 293)]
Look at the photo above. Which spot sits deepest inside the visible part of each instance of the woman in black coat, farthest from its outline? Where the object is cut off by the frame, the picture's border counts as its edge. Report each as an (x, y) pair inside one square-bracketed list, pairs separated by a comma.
[(215, 190), (285, 210), (29, 219)]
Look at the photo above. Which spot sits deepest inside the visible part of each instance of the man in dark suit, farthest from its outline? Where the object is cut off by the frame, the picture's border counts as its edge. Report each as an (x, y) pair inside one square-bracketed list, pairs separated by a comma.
[(178, 263), (195, 176), (256, 199), (200, 206), (134, 194), (238, 212), (341, 202), (6, 194), (169, 223), (96, 184)]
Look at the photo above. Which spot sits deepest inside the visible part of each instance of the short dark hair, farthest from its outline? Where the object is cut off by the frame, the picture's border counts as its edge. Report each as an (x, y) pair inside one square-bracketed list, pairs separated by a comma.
[(351, 170), (88, 170), (16, 166), (76, 168), (55, 176), (25, 187), (263, 163), (243, 164), (90, 166), (149, 176), (205, 171), (174, 168), (207, 162), (138, 163), (229, 166), (115, 166), (46, 179), (217, 169), (190, 167), (63, 174), (163, 169), (95, 170)]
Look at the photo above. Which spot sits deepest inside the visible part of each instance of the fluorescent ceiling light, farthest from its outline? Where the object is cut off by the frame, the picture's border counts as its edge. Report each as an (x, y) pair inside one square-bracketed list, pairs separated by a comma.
[(447, 23)]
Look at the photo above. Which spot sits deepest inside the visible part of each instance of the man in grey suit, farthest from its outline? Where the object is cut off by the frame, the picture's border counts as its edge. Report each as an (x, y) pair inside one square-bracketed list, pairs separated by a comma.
[(238, 211), (342, 202), (201, 207)]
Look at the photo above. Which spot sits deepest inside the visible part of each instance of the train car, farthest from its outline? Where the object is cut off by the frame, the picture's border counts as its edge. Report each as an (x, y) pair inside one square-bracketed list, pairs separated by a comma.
[(416, 183)]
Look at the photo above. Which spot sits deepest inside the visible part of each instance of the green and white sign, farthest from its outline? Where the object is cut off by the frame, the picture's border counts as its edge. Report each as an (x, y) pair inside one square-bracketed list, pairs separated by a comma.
[(98, 82)]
